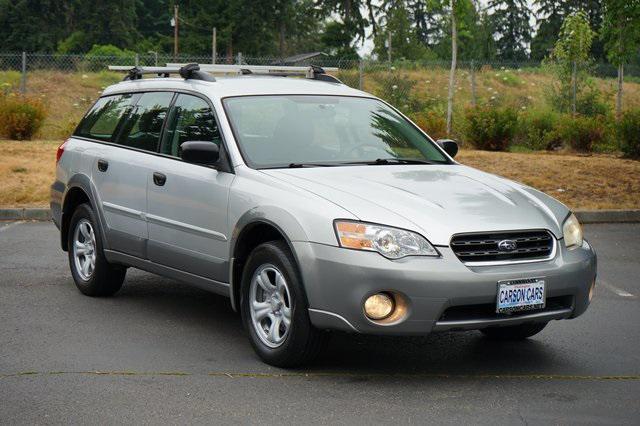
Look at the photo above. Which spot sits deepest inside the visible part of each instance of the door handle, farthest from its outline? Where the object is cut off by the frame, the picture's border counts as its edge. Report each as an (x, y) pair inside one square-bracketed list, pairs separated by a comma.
[(103, 165), (159, 178)]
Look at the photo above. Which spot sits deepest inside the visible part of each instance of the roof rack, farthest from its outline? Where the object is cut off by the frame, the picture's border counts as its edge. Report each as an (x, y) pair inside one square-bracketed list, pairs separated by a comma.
[(186, 71), (204, 71), (312, 72)]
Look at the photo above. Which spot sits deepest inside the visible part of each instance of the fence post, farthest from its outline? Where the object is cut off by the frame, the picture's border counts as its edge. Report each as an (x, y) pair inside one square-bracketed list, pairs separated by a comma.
[(360, 74), (473, 83), (23, 76), (137, 59)]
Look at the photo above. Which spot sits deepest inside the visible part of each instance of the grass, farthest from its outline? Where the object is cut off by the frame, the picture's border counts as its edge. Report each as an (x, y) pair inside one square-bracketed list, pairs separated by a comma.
[(599, 181), (67, 96), (27, 170)]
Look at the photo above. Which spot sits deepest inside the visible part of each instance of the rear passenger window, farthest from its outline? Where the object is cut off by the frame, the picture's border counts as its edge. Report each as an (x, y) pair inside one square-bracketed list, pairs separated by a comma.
[(102, 119), (143, 125), (191, 119)]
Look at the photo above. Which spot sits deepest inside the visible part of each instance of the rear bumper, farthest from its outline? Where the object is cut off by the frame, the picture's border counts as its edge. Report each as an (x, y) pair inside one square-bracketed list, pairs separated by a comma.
[(442, 293)]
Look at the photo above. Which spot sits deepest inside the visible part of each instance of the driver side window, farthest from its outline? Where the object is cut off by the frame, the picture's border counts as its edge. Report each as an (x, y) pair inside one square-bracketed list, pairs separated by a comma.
[(190, 119)]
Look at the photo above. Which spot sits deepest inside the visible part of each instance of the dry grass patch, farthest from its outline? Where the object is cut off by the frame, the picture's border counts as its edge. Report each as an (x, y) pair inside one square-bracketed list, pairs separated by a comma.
[(581, 182), (27, 170)]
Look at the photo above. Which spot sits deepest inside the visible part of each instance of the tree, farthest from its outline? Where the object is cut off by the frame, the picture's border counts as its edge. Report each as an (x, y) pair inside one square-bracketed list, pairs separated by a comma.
[(397, 27), (621, 34), (551, 14), (510, 19), (572, 49)]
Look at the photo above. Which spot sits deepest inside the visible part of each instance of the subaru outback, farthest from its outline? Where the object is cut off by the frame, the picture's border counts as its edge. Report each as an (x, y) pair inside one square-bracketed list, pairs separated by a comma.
[(312, 206)]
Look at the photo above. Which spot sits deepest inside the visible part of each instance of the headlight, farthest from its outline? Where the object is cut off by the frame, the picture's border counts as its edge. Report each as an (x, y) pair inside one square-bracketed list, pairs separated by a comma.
[(572, 232), (393, 243)]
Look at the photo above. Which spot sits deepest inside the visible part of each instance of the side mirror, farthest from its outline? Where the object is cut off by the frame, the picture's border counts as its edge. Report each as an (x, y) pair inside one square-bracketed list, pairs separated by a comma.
[(198, 152), (449, 145)]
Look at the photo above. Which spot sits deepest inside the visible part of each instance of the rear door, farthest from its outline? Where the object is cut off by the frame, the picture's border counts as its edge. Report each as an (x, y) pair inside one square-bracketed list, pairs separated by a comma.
[(187, 203), (121, 167)]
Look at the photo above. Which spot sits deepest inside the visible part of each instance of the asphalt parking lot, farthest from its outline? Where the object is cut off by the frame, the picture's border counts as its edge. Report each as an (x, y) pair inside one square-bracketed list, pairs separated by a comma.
[(163, 352)]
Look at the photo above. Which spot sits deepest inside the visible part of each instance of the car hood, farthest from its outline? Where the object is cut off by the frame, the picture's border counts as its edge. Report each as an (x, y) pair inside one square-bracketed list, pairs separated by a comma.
[(437, 201)]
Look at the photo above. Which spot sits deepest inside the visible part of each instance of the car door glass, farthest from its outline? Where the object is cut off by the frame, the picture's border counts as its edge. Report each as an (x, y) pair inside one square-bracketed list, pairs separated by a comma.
[(102, 119), (143, 125), (191, 119)]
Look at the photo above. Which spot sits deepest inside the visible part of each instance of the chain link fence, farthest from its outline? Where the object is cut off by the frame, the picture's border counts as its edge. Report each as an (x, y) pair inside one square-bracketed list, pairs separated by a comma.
[(418, 88)]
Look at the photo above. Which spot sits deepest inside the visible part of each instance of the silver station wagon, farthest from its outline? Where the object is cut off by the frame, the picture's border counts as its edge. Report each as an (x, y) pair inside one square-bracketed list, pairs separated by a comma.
[(312, 206)]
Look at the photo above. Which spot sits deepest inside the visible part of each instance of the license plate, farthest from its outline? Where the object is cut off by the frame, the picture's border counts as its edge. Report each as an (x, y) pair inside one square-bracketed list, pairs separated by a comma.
[(520, 295)]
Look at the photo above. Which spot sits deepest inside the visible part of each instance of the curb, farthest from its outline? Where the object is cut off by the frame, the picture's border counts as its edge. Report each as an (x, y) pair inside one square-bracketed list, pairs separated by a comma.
[(25, 214), (608, 216), (584, 216)]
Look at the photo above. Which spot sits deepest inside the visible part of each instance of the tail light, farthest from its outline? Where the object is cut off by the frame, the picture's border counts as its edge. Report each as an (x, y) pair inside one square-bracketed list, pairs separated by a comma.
[(60, 151)]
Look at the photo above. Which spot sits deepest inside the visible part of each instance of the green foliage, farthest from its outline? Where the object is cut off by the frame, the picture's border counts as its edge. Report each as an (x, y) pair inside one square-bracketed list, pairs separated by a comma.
[(397, 89), (575, 40), (628, 133), (109, 50), (510, 20), (404, 38), (535, 127), (20, 117), (589, 100), (582, 134), (337, 38), (621, 30), (490, 128), (433, 122)]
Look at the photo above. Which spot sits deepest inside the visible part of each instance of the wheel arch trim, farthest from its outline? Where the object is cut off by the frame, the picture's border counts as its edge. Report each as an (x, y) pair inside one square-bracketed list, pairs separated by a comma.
[(82, 182), (292, 231)]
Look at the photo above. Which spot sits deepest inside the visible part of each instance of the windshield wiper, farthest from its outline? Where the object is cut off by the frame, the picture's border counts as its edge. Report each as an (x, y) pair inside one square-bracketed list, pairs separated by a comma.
[(301, 165), (385, 161)]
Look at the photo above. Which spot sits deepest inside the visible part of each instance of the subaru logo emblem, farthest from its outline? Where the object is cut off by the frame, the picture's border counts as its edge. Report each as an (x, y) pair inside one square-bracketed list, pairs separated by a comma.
[(507, 245)]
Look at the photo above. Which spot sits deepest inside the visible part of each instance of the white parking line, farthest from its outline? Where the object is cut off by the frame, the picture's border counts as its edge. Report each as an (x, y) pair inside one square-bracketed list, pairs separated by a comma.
[(10, 225), (620, 292)]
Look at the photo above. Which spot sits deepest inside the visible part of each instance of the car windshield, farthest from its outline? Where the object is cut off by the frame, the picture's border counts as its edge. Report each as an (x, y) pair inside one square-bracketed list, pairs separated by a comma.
[(308, 131)]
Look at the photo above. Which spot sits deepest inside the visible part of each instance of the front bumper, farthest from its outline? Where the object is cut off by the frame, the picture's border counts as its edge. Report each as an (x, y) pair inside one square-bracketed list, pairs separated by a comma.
[(442, 293)]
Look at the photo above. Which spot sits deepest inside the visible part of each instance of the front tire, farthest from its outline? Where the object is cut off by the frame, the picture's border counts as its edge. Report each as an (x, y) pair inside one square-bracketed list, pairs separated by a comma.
[(274, 309), (514, 332), (93, 275)]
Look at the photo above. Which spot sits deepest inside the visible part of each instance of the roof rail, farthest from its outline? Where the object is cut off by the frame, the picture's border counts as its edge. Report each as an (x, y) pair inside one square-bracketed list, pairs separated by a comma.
[(186, 71), (312, 72)]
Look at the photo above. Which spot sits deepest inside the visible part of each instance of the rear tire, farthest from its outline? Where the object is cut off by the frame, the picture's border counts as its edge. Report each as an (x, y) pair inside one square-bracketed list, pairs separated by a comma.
[(274, 308), (93, 275), (514, 332)]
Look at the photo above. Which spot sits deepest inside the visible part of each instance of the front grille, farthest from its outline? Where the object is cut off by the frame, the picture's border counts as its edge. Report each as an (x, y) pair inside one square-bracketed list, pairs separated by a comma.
[(484, 247)]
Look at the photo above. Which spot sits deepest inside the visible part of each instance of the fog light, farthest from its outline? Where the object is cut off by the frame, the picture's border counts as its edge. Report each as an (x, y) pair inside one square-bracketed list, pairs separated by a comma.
[(379, 306)]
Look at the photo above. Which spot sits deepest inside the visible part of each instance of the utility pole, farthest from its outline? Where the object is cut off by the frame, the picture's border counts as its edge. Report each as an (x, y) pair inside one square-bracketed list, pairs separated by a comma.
[(213, 46), (175, 31)]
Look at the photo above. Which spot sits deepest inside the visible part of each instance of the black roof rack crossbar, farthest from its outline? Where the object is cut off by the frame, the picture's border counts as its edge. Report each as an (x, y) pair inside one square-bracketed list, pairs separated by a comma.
[(188, 71), (313, 72)]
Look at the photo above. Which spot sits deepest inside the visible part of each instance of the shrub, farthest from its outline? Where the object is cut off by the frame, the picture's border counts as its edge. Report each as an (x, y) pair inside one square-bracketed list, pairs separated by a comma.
[(20, 117), (490, 128), (628, 133), (578, 133), (432, 122), (534, 127), (398, 89)]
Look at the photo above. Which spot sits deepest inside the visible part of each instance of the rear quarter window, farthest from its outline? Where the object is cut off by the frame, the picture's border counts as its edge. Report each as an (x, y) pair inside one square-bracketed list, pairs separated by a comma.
[(101, 122)]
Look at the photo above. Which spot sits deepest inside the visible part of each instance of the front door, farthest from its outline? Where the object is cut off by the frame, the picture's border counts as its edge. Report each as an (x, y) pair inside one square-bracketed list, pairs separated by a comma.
[(187, 203)]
